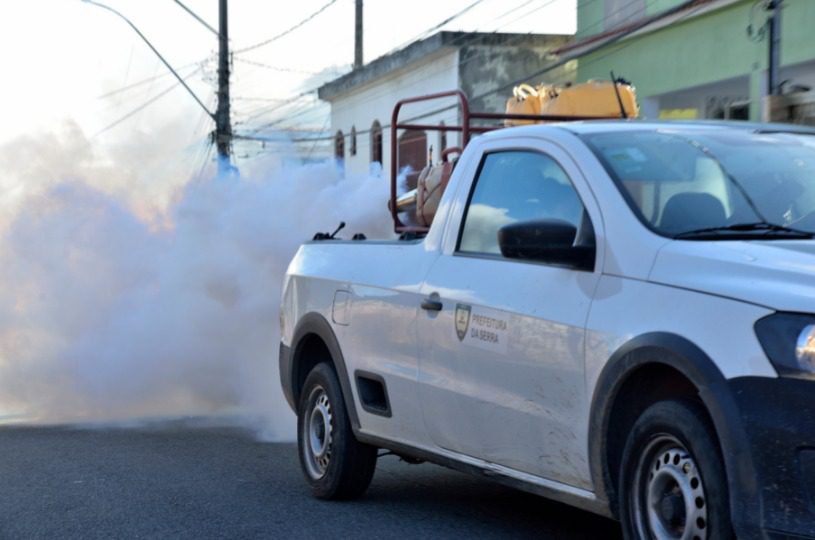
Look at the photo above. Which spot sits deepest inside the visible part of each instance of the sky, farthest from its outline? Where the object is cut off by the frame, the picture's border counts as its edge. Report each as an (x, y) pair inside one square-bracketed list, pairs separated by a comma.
[(69, 61)]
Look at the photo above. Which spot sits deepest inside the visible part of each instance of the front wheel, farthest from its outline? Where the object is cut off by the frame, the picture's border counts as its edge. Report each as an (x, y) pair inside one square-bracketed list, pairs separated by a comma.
[(335, 464), (672, 481)]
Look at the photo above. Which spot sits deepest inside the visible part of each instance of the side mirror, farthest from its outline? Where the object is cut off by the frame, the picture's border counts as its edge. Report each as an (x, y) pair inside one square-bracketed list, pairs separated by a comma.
[(548, 240)]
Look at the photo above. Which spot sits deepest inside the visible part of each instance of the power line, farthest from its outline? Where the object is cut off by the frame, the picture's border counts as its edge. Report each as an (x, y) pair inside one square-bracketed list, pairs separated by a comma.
[(635, 28), (516, 7), (207, 155), (197, 18), (458, 40), (514, 40), (314, 146), (257, 98), (425, 33), (155, 51), (295, 99), (314, 90), (611, 41), (141, 107), (437, 26), (286, 32), (530, 12), (463, 38), (144, 81), (275, 68), (545, 70)]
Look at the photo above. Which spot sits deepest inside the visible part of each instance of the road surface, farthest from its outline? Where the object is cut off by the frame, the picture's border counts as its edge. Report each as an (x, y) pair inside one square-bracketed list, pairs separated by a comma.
[(176, 481)]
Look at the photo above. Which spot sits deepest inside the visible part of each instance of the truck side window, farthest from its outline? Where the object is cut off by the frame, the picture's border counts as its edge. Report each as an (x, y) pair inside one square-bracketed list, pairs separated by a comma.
[(516, 186)]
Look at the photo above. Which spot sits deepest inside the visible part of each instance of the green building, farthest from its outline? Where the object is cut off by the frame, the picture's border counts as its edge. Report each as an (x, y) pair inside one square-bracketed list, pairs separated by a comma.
[(700, 58)]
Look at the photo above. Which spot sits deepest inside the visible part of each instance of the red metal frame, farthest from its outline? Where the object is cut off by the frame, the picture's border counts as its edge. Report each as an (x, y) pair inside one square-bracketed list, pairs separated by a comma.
[(465, 128)]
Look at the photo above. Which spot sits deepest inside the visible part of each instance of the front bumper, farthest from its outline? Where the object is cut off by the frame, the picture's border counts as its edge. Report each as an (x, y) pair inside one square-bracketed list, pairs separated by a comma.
[(778, 416)]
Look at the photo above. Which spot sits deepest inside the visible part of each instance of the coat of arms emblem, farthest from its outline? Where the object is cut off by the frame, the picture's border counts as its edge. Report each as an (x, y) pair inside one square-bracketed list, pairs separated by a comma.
[(462, 320)]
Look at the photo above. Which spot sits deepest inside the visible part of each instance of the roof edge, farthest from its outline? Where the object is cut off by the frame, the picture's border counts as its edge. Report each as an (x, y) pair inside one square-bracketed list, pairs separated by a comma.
[(645, 25), (420, 50)]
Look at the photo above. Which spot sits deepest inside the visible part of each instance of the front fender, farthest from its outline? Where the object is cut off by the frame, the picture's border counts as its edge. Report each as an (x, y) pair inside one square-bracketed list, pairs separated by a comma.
[(685, 357)]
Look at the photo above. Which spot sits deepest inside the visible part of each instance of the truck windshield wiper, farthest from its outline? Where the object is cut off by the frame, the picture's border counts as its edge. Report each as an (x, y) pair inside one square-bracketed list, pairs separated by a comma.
[(763, 227)]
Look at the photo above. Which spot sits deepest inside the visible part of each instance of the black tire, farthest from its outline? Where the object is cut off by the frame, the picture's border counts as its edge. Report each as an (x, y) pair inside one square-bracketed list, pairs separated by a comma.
[(335, 464), (672, 478)]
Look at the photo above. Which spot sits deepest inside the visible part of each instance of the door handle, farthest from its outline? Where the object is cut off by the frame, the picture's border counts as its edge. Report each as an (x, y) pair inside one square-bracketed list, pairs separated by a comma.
[(431, 304)]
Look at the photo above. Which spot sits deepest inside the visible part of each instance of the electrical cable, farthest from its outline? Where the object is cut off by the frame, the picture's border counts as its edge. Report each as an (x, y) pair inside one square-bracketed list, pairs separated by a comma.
[(197, 18), (155, 51), (207, 154), (547, 69), (286, 32), (459, 40), (144, 81), (256, 98), (611, 41), (530, 12), (143, 106), (129, 64), (291, 101), (274, 68), (514, 40), (314, 146), (436, 27)]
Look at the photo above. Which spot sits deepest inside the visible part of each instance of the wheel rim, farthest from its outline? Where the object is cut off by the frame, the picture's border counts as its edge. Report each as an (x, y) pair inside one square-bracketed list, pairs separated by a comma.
[(670, 502), (317, 433)]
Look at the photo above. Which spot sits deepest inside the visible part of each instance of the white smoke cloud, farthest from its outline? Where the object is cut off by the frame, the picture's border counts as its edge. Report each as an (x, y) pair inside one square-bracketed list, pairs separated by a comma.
[(120, 303)]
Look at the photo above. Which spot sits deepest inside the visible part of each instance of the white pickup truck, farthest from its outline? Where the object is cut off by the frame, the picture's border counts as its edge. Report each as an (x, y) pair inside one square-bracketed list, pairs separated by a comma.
[(616, 315)]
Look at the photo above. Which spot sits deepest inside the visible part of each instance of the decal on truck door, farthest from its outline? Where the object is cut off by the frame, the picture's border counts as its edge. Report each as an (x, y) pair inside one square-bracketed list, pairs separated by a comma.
[(482, 327), (462, 320)]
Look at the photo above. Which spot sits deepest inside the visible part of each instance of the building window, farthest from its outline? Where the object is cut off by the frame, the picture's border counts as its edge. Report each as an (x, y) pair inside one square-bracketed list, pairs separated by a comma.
[(353, 140), (339, 145), (376, 142)]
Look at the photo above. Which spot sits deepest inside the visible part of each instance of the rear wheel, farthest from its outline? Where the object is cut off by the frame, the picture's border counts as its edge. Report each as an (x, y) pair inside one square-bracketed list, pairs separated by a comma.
[(335, 464), (672, 481)]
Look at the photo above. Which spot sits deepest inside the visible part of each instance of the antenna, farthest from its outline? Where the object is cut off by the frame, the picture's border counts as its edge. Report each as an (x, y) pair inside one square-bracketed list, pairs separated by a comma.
[(341, 227), (619, 98)]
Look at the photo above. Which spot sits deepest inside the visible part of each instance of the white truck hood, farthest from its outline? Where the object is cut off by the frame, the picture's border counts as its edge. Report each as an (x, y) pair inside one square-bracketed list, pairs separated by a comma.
[(778, 274)]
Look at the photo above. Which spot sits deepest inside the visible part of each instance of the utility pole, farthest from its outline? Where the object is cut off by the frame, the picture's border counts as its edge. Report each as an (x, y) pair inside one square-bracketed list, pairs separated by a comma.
[(223, 126), (358, 36), (774, 65)]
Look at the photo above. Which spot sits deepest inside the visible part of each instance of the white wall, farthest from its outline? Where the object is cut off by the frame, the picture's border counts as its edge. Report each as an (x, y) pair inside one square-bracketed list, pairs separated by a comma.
[(375, 101)]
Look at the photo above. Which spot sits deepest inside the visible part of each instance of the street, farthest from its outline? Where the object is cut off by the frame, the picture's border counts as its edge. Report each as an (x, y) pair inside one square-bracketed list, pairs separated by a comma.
[(181, 481)]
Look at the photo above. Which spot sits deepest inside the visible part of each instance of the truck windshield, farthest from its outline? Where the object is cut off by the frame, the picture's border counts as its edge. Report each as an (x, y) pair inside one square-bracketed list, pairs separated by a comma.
[(714, 184)]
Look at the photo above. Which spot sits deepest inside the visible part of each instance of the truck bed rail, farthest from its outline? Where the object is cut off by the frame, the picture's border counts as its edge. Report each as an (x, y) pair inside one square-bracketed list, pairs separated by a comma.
[(466, 129)]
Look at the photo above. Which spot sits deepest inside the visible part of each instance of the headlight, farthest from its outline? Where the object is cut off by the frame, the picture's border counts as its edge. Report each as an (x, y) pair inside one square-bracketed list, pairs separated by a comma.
[(788, 340), (805, 351)]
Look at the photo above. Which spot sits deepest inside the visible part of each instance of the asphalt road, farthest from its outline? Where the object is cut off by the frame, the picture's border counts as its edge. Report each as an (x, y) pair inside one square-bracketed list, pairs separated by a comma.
[(173, 481)]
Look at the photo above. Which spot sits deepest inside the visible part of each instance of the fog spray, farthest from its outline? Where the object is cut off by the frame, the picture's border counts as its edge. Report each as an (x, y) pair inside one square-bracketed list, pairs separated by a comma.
[(121, 304)]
